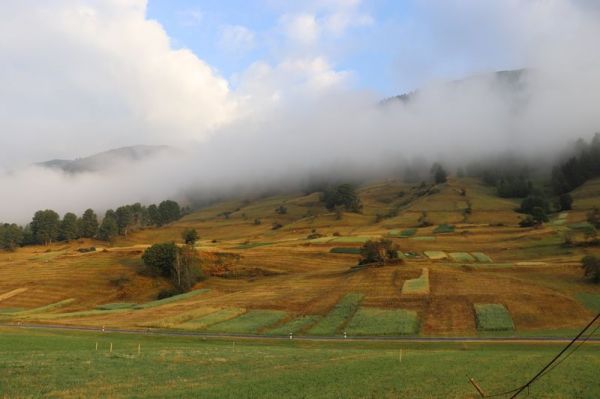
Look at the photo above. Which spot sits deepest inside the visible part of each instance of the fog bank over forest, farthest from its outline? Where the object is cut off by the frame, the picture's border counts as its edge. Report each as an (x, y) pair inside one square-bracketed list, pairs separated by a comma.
[(273, 129)]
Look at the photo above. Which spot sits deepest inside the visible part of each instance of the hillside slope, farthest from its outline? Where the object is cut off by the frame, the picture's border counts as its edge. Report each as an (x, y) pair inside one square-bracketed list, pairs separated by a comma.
[(264, 279)]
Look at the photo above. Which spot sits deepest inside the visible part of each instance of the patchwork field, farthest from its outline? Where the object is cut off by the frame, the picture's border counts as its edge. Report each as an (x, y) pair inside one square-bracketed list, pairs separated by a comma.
[(265, 281)]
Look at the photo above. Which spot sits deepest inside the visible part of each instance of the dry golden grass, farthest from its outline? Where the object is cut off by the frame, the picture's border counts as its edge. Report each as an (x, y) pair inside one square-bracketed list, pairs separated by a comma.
[(531, 273)]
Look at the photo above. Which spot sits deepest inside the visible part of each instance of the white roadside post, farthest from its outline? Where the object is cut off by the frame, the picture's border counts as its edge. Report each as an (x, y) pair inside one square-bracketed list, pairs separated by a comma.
[(291, 336), (345, 335)]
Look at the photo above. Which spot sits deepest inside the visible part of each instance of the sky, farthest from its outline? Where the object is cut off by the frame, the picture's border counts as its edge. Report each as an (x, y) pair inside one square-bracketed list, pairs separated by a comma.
[(388, 46), (256, 92)]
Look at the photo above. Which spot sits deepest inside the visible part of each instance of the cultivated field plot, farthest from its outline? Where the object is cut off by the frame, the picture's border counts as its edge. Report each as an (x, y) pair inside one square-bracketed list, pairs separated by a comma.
[(403, 233), (345, 250), (417, 286), (296, 325), (493, 317), (208, 320), (436, 255), (353, 239), (591, 301), (66, 364), (375, 321), (338, 316), (461, 257), (444, 228), (250, 322), (481, 257)]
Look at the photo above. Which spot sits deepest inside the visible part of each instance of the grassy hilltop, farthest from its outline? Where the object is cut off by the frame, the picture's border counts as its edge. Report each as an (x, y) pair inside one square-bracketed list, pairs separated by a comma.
[(277, 280)]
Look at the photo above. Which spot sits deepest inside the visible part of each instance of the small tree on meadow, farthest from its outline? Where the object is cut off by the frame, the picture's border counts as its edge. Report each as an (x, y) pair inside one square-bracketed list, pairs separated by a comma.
[(380, 252), (190, 236)]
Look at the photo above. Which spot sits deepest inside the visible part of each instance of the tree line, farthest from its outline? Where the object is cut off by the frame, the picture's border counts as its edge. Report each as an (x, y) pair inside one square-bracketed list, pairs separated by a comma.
[(47, 227)]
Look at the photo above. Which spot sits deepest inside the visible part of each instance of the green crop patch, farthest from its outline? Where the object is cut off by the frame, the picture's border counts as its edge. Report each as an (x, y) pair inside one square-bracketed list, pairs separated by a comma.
[(375, 321), (338, 316), (208, 320), (250, 322), (345, 250), (589, 300), (296, 325), (436, 255), (117, 305), (583, 227), (353, 239), (170, 299), (461, 257), (321, 240), (481, 257), (444, 228), (419, 285), (251, 245), (493, 317), (403, 233)]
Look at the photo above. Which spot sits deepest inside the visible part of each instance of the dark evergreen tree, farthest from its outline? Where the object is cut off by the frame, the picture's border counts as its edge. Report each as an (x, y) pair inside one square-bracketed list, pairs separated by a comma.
[(88, 224), (68, 227), (45, 226)]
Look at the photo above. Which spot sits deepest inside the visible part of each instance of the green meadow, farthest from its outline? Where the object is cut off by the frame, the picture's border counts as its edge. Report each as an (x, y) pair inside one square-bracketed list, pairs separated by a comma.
[(39, 363)]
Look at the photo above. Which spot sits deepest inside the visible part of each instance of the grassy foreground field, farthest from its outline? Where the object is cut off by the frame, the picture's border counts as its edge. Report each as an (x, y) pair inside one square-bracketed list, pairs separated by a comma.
[(42, 363)]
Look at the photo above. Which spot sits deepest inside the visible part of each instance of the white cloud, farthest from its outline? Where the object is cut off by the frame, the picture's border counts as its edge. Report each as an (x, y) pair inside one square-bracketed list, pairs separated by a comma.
[(78, 76), (301, 28), (236, 39)]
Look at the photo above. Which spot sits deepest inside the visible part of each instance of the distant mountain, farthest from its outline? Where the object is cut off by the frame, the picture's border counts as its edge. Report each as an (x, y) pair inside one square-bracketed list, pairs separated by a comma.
[(512, 81), (106, 159)]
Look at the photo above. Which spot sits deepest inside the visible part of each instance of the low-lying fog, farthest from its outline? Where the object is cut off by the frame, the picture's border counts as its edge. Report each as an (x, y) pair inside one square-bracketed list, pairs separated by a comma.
[(95, 77)]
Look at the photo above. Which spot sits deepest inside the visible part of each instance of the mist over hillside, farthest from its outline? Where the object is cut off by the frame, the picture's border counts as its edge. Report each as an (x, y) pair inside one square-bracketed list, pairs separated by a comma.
[(278, 125)]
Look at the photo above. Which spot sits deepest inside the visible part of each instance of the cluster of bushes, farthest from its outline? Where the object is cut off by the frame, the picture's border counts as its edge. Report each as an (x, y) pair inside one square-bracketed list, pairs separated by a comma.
[(342, 196), (179, 264), (379, 252), (46, 226)]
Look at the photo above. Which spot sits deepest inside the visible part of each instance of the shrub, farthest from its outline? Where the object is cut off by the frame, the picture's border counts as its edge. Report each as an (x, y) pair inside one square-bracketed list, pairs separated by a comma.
[(344, 196), (528, 221), (281, 210), (423, 221), (379, 252), (276, 226), (190, 236), (591, 268), (533, 201), (593, 217)]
